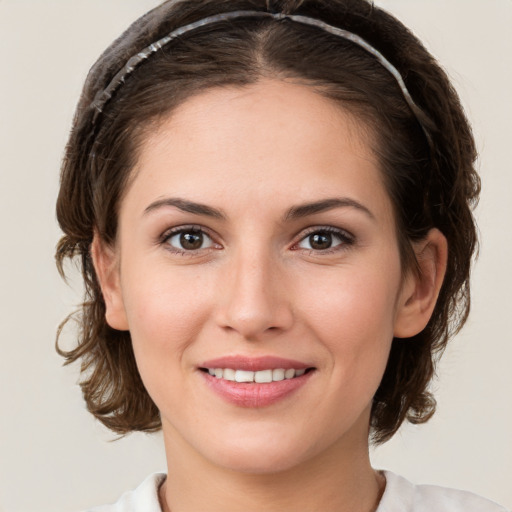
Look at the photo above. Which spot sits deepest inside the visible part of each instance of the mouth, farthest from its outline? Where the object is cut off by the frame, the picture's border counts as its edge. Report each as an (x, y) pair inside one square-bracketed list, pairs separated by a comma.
[(255, 382), (259, 377)]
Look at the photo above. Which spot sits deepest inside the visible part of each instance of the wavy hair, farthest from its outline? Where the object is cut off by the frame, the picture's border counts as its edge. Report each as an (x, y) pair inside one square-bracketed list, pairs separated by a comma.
[(430, 185)]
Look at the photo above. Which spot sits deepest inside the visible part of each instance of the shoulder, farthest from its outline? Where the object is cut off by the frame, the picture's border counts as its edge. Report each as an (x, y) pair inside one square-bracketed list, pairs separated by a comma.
[(143, 499), (403, 496)]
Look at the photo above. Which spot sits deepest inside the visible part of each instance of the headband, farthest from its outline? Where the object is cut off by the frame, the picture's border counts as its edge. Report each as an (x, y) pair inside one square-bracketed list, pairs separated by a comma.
[(104, 96)]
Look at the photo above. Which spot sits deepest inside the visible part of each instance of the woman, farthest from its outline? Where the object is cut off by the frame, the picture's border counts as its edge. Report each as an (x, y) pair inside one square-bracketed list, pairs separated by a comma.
[(272, 206)]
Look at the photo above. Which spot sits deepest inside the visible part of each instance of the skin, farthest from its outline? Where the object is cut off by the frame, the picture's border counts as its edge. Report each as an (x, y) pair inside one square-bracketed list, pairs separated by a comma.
[(257, 287)]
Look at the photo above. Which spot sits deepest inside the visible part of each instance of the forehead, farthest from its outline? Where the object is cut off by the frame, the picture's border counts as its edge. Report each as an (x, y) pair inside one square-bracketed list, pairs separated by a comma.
[(268, 138)]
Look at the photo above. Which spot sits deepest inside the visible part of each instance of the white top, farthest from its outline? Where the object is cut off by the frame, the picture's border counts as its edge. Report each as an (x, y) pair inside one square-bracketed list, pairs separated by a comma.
[(400, 496)]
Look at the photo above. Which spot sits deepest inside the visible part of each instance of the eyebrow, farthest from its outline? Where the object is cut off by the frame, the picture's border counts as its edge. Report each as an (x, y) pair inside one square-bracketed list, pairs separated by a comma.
[(295, 212), (303, 210), (186, 206)]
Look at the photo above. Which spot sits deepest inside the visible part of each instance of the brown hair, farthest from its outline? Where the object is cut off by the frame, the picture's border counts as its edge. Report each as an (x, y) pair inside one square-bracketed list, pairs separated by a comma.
[(431, 185)]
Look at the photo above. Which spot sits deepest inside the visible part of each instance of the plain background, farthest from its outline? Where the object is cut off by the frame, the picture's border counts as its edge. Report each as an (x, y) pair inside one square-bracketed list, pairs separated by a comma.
[(53, 455)]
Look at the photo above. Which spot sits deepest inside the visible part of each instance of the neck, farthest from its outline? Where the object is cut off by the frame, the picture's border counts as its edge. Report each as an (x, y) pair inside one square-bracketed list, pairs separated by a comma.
[(340, 479)]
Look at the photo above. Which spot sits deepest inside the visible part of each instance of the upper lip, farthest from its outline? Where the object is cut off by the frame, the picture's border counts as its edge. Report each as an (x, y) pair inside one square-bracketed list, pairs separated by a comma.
[(237, 362)]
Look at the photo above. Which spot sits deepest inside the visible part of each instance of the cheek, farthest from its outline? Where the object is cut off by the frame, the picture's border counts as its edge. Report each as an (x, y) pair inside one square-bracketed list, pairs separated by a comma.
[(166, 308), (353, 313), (352, 300)]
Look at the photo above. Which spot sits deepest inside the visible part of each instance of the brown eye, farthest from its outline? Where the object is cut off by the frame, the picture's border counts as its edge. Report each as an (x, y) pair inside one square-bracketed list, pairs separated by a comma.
[(190, 240), (324, 239), (320, 241)]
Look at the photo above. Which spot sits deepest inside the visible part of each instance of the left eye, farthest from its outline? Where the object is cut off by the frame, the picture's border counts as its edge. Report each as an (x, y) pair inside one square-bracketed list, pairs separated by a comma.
[(189, 240), (322, 240)]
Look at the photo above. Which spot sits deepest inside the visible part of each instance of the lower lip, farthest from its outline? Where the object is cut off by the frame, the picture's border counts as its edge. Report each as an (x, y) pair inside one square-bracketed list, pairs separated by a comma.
[(252, 394)]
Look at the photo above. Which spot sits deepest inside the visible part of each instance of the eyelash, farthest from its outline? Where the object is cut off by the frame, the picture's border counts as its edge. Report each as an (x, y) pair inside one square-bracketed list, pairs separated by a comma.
[(346, 240), (164, 239)]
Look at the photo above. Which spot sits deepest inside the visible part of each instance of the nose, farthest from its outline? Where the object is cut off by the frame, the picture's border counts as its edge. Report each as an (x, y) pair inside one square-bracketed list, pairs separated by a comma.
[(253, 298)]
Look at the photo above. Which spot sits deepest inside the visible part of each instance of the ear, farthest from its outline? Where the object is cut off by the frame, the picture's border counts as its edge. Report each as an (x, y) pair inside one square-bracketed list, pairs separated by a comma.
[(106, 265), (421, 288)]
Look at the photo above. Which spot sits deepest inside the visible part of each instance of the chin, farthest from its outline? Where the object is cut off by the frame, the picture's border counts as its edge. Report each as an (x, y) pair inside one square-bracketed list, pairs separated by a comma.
[(264, 451), (260, 461)]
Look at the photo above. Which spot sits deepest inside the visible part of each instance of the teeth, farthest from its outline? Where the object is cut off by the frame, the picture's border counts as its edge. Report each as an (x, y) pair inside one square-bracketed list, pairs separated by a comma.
[(262, 376), (278, 374), (229, 374), (243, 376), (289, 374)]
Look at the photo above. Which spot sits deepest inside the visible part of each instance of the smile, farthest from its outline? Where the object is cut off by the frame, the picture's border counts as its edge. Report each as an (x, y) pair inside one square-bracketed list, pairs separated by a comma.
[(260, 377), (255, 382)]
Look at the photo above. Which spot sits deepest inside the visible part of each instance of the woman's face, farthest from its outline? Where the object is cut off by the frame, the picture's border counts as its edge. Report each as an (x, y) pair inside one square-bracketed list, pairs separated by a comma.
[(257, 236)]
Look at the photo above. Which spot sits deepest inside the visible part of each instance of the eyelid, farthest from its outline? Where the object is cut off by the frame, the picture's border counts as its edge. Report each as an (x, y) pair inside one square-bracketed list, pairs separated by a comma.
[(169, 233), (347, 238)]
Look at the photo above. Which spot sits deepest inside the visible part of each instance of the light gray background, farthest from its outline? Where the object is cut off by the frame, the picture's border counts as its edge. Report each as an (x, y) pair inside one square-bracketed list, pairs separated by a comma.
[(53, 456)]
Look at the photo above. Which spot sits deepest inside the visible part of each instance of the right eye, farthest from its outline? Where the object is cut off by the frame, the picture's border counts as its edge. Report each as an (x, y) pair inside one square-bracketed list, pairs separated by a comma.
[(188, 239)]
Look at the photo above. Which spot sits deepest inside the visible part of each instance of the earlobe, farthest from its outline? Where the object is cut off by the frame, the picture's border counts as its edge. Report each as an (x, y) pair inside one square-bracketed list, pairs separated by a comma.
[(421, 288), (107, 270)]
